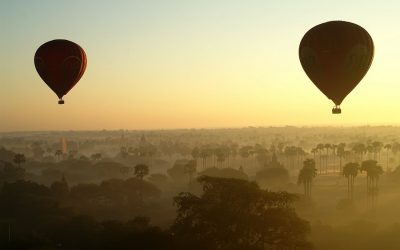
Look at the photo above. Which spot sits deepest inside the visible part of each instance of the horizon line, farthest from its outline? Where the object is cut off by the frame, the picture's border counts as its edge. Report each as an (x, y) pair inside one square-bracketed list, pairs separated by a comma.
[(203, 128)]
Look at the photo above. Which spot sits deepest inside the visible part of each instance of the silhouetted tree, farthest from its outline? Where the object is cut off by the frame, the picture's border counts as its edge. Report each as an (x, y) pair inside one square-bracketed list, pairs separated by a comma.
[(360, 149), (6, 155), (340, 152), (245, 152), (373, 172), (395, 148), (72, 154), (220, 155), (10, 173), (195, 154), (96, 156), (300, 153), (370, 151), (327, 147), (233, 151), (235, 214), (377, 147), (190, 169), (177, 172), (262, 154), (37, 150), (60, 188), (320, 148), (334, 153), (58, 154), (123, 152), (314, 151), (290, 153), (141, 170), (19, 159), (350, 170), (306, 176), (205, 152), (387, 147)]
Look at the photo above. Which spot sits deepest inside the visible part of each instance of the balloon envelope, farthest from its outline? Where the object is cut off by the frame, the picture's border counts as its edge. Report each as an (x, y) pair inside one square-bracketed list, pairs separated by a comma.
[(336, 55), (60, 63)]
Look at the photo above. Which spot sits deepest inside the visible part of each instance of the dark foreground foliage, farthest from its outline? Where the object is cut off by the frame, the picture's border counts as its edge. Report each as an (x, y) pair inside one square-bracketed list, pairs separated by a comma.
[(230, 214), (237, 214)]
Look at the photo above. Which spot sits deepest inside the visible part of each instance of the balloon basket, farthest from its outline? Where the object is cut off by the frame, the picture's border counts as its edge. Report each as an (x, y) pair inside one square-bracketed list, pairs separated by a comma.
[(336, 110), (60, 101)]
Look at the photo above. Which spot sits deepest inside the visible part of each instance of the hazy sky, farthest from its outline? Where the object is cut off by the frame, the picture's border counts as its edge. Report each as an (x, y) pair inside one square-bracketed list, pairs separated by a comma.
[(190, 64)]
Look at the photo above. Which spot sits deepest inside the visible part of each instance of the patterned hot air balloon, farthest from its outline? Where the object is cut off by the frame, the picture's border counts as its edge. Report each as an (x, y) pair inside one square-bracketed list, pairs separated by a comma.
[(336, 55), (60, 64)]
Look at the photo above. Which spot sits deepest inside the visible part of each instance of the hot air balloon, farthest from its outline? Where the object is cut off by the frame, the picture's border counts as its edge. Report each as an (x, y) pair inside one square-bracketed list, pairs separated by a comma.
[(60, 64), (336, 55)]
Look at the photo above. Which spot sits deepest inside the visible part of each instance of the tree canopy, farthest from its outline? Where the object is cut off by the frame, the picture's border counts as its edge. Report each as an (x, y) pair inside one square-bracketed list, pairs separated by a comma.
[(237, 214)]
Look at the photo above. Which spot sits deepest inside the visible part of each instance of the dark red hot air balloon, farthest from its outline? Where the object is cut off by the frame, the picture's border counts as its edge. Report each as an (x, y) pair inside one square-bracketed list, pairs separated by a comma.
[(60, 63), (336, 55)]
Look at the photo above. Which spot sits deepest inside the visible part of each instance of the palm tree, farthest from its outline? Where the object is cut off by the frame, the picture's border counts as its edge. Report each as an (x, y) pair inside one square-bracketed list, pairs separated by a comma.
[(280, 147), (359, 148), (320, 148), (290, 152), (306, 176), (190, 169), (227, 152), (141, 170), (377, 147), (19, 159), (205, 153), (300, 155), (262, 155), (195, 153), (123, 152), (96, 156), (252, 153), (222, 153), (370, 150), (340, 152), (244, 152), (387, 147), (150, 151), (350, 170), (373, 172), (314, 151), (334, 148), (233, 148), (395, 148), (327, 147), (58, 154)]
